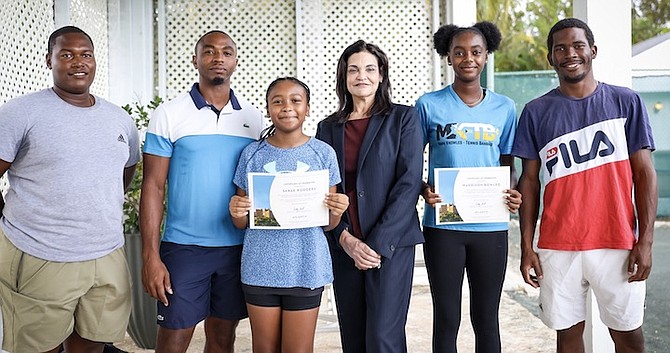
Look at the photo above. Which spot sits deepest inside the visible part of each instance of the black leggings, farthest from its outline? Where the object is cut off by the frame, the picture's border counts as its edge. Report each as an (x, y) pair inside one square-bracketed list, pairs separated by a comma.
[(447, 254)]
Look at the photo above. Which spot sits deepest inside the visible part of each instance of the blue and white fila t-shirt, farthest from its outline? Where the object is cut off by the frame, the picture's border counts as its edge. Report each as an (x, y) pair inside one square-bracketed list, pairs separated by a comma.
[(203, 146)]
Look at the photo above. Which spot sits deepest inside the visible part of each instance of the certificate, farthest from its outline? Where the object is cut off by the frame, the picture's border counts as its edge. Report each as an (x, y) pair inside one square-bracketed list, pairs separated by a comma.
[(288, 200), (471, 195)]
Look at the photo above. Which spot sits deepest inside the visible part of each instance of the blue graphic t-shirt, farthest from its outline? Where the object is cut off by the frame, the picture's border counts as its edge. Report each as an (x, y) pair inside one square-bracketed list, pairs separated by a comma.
[(286, 258), (460, 136)]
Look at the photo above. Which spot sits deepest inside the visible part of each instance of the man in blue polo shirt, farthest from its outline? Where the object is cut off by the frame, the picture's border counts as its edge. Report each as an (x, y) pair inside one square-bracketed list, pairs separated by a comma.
[(193, 142)]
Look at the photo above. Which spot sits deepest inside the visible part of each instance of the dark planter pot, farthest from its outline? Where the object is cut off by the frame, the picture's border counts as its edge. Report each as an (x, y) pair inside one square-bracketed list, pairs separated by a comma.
[(142, 327)]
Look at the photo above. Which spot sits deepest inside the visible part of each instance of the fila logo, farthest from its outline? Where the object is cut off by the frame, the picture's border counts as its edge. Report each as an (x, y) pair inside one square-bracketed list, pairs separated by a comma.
[(601, 146)]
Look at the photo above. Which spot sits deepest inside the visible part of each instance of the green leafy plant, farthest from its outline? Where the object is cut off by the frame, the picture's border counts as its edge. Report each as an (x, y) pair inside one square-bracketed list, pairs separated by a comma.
[(131, 205)]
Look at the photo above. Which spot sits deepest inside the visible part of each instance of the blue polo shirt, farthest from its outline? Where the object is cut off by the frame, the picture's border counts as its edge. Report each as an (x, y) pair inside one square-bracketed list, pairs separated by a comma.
[(203, 145)]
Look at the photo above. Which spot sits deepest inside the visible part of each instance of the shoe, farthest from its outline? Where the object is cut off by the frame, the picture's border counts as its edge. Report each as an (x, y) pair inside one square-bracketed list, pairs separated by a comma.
[(109, 348)]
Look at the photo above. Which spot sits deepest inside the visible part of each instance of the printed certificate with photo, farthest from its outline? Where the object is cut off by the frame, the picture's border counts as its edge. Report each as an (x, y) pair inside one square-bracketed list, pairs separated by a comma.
[(288, 200), (471, 195)]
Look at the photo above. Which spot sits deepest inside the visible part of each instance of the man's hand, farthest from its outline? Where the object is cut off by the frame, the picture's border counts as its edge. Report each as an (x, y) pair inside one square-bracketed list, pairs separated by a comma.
[(639, 262), (530, 261), (156, 279)]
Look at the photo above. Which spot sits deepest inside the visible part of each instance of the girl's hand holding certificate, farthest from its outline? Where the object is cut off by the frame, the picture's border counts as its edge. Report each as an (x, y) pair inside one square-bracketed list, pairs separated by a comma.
[(336, 203), (513, 200)]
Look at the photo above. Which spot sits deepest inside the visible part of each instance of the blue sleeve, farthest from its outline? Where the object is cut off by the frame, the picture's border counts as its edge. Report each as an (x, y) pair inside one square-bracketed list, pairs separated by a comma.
[(525, 145), (638, 127), (333, 166), (240, 178), (509, 130), (421, 109)]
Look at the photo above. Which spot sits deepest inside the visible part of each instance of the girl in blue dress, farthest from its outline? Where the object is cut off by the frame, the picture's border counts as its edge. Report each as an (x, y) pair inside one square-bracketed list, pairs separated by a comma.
[(284, 271)]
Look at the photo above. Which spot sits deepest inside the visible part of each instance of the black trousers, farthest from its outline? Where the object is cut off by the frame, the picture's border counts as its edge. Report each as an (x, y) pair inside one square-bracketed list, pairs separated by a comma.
[(372, 305), (448, 254)]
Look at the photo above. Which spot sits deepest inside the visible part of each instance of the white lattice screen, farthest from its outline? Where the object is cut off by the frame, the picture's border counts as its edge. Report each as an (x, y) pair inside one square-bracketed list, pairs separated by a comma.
[(26, 25), (274, 39), (266, 35), (270, 44), (91, 16), (263, 30)]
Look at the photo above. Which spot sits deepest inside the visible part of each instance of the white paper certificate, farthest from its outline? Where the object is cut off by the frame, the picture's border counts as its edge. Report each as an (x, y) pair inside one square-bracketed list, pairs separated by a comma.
[(471, 195), (288, 200)]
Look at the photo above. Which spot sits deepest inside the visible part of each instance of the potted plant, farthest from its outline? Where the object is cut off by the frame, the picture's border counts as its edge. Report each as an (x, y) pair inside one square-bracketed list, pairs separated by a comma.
[(142, 327)]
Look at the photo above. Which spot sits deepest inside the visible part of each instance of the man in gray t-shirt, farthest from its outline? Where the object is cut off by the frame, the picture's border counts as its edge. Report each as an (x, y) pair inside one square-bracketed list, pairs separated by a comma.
[(68, 156)]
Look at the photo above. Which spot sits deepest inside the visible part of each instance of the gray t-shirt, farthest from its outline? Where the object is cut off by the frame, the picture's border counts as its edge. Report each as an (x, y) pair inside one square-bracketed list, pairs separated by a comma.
[(65, 195)]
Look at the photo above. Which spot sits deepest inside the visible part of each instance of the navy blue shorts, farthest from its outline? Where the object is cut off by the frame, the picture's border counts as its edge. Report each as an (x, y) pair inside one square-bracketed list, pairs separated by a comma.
[(205, 282), (290, 299)]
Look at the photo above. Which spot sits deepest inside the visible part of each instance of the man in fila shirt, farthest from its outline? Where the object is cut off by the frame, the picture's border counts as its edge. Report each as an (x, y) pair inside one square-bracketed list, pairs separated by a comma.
[(193, 142), (593, 143)]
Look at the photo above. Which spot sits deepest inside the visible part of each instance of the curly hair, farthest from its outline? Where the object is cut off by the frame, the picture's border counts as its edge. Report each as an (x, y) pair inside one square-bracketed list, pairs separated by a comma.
[(444, 36)]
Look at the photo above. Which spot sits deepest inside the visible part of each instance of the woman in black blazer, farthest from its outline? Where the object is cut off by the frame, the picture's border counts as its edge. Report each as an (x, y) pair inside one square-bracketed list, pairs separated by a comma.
[(379, 148)]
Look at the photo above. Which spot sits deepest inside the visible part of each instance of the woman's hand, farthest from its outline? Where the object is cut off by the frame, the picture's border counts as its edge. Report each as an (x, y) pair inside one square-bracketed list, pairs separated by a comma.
[(364, 257), (512, 199), (429, 196)]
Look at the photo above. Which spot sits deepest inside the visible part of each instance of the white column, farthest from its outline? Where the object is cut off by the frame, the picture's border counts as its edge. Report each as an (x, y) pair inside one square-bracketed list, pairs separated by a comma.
[(131, 51), (61, 13), (161, 29), (437, 64), (460, 13), (610, 22)]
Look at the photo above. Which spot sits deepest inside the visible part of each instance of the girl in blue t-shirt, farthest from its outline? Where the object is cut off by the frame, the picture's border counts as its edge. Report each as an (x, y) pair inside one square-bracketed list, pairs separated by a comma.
[(284, 270), (466, 125)]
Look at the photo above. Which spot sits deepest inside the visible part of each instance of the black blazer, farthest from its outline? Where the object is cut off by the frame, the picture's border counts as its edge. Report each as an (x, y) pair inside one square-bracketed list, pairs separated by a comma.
[(390, 170)]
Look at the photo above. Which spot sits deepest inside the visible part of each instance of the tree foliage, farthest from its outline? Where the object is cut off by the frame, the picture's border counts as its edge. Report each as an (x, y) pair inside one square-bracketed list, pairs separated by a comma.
[(649, 19), (524, 26)]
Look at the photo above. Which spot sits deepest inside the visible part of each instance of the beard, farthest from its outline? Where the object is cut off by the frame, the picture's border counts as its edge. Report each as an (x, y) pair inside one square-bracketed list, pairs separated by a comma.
[(575, 78), (217, 81)]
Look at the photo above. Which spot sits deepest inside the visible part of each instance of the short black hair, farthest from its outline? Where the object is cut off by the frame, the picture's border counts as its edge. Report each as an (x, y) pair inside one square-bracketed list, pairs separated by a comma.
[(445, 35), (212, 32), (570, 23), (65, 30)]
